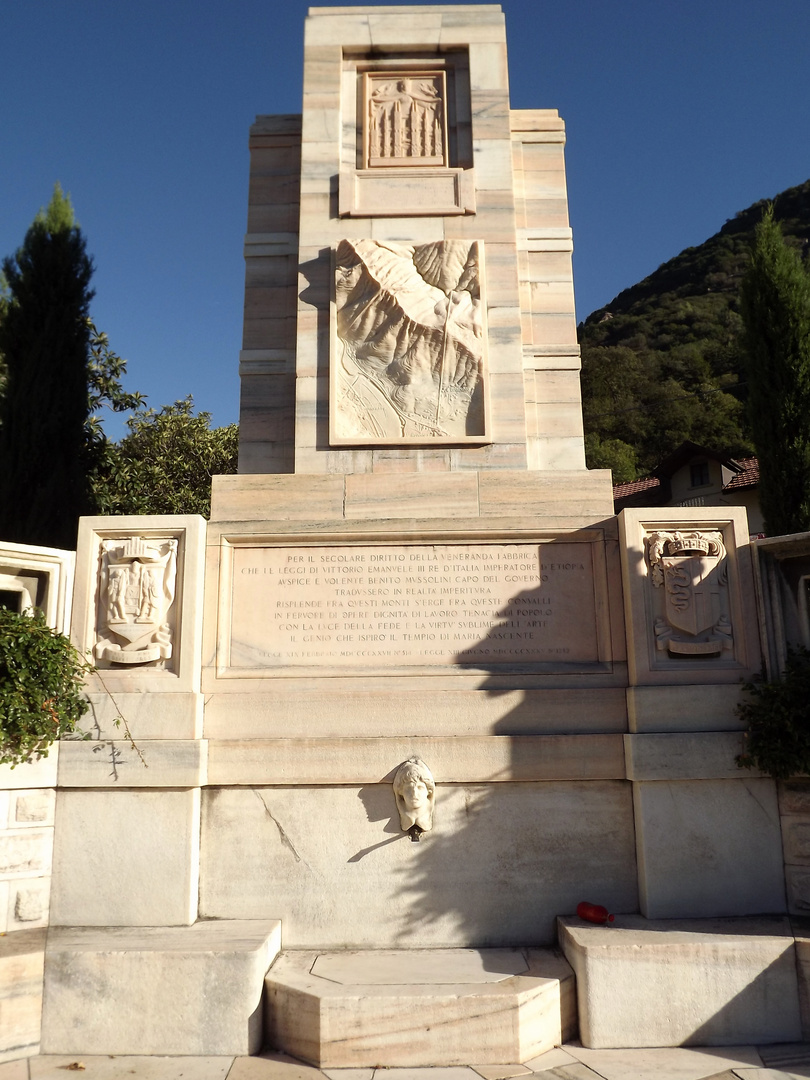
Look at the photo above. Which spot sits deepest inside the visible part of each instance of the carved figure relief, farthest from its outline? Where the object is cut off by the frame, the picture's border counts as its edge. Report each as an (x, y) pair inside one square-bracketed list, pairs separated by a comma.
[(409, 355), (691, 569), (136, 591), (405, 121), (415, 794)]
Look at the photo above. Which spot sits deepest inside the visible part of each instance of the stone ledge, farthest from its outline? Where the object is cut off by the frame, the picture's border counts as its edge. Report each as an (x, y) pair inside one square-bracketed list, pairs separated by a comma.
[(682, 982), (698, 755), (454, 759), (157, 990)]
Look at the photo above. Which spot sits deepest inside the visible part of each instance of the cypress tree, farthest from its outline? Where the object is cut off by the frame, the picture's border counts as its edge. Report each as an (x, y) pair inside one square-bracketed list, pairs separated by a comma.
[(44, 342), (775, 300)]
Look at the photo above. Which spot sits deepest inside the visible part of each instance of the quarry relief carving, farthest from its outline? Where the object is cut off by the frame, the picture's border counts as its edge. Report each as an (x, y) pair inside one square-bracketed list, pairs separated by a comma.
[(405, 119), (136, 591), (415, 793), (691, 571), (408, 360)]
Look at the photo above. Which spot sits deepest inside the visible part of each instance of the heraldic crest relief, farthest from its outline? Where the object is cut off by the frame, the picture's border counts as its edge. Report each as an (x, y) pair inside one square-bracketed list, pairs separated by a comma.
[(136, 591), (691, 614)]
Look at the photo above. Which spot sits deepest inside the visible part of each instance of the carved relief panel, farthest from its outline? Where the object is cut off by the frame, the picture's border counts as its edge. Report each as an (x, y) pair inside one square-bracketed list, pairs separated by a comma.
[(689, 596), (690, 569), (405, 121), (407, 129), (137, 602), (408, 344), (136, 592)]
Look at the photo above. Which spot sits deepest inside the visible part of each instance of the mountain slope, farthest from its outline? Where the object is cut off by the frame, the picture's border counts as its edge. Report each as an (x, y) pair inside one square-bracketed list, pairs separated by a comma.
[(662, 363)]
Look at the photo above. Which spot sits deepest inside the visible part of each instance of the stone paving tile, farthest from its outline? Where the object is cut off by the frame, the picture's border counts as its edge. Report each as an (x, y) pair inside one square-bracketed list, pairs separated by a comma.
[(500, 1072), (666, 1063), (14, 1070), (771, 1074), (348, 1074), (785, 1055), (552, 1059), (577, 1071), (106, 1067), (441, 1072), (271, 1066)]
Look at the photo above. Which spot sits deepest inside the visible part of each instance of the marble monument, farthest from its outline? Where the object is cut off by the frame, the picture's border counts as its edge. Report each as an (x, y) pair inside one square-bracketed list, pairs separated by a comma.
[(412, 566)]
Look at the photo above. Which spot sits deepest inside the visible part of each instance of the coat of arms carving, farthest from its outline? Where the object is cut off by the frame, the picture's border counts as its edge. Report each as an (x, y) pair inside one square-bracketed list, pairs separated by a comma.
[(691, 569), (136, 591)]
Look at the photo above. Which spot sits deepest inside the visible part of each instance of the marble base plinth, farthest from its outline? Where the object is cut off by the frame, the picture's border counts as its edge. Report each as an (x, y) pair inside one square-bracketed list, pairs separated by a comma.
[(418, 1007), (21, 958), (157, 990), (684, 982)]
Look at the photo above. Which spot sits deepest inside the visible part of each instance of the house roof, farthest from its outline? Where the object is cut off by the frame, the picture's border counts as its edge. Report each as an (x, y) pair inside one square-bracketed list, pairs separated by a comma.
[(747, 477), (632, 487), (652, 490)]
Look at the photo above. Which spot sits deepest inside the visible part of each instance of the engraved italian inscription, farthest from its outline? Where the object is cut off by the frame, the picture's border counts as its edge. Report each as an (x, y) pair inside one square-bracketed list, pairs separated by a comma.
[(405, 121), (412, 605), (136, 592), (408, 360), (690, 568)]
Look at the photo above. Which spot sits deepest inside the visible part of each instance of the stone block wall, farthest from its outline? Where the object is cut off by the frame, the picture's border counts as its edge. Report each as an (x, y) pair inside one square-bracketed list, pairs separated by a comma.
[(794, 811), (42, 578)]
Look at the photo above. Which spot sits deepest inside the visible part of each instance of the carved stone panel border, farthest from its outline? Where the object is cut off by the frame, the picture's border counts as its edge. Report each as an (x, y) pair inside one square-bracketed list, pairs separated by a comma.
[(317, 607), (689, 595), (406, 137), (138, 601)]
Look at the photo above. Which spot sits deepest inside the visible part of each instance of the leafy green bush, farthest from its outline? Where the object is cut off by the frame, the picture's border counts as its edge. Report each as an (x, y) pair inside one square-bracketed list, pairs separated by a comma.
[(778, 719), (41, 676)]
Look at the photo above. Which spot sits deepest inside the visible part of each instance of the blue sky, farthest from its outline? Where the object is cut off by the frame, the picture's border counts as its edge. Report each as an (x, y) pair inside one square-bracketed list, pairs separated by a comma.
[(678, 115)]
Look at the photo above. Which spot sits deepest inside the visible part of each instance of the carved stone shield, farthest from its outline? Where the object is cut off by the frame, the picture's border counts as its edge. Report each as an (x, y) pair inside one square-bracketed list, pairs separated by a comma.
[(136, 592), (691, 583)]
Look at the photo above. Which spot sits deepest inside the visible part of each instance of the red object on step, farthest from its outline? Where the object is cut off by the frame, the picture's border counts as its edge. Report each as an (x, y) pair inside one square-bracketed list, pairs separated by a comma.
[(594, 913)]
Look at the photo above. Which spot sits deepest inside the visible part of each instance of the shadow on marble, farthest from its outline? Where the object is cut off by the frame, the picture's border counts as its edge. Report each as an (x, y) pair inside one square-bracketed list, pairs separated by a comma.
[(791, 1057), (666, 1063), (771, 1074)]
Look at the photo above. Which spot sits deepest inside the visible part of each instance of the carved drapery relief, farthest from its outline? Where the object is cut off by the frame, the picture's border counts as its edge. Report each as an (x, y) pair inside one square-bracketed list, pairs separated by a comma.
[(405, 118), (136, 592), (692, 608), (408, 361)]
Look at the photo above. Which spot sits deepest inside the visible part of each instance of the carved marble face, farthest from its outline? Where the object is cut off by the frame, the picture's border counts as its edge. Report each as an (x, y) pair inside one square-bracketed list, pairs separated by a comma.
[(414, 789), (414, 792)]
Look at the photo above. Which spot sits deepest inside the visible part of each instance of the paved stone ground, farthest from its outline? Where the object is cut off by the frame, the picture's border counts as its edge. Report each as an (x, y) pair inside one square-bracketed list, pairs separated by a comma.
[(570, 1062)]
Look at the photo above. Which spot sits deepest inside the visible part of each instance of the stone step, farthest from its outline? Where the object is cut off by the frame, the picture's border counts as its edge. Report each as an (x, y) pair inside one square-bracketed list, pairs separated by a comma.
[(157, 990), (419, 1007), (684, 982)]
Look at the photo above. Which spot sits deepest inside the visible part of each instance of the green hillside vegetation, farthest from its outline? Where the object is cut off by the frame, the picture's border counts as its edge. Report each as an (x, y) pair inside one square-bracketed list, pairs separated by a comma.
[(663, 362)]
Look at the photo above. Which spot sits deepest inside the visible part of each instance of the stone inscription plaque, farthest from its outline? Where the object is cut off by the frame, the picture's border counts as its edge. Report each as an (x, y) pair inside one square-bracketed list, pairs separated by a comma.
[(412, 605)]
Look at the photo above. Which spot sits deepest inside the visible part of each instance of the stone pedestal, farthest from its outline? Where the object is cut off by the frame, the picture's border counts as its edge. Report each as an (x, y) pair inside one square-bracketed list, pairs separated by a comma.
[(698, 982), (182, 990), (421, 1007)]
